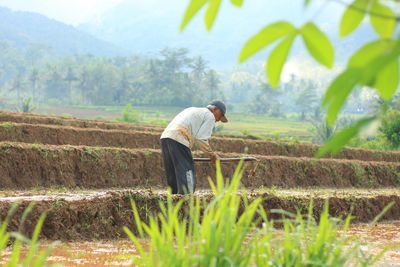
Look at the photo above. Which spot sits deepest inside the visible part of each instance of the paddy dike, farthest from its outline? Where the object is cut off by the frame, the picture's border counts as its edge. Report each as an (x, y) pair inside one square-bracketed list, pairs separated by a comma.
[(30, 118), (64, 135), (77, 215), (24, 166)]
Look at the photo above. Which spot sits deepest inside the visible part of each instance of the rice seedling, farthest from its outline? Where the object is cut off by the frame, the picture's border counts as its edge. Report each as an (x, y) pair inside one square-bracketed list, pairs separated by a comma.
[(24, 251), (226, 232)]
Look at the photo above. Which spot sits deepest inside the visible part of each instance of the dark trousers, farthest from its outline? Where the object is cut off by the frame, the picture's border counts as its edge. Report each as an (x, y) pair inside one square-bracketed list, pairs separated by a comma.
[(179, 167)]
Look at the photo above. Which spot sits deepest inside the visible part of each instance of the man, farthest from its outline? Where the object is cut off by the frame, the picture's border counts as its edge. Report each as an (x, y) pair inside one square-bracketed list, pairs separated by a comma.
[(192, 126)]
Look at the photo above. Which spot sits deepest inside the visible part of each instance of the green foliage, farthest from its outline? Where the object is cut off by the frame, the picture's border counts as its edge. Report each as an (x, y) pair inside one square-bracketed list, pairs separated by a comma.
[(277, 58), (223, 232), (266, 36), (31, 255), (26, 105), (391, 128), (334, 144), (318, 44), (375, 65), (129, 115), (383, 19), (352, 17)]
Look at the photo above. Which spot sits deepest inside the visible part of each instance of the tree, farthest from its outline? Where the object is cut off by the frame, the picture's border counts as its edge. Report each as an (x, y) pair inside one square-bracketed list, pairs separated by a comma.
[(55, 86), (212, 84), (375, 65), (306, 99), (391, 128), (18, 85), (266, 101), (34, 78)]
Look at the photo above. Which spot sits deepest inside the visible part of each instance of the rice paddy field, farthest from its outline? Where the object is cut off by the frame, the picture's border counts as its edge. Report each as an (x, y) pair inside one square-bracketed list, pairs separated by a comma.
[(84, 173)]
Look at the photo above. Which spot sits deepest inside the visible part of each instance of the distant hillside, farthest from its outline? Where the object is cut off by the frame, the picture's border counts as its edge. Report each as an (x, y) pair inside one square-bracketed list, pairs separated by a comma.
[(148, 26), (24, 28)]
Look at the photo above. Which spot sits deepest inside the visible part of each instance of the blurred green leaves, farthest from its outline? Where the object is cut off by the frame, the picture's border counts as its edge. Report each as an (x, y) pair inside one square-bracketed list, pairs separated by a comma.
[(374, 65), (277, 59), (335, 144), (318, 44), (266, 36), (352, 17), (383, 19)]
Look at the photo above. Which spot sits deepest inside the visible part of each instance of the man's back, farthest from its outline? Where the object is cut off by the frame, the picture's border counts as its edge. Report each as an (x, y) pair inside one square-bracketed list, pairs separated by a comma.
[(190, 125)]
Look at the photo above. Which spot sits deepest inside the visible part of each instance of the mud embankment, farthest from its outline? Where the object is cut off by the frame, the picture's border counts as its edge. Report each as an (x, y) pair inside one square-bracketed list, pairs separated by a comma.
[(101, 215), (31, 165), (62, 135)]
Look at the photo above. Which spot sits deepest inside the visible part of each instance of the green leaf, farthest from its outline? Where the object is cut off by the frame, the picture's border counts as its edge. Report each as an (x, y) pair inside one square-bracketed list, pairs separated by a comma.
[(318, 44), (306, 2), (384, 23), (335, 144), (265, 37), (277, 59), (191, 11), (352, 17), (211, 13), (237, 2), (369, 52), (338, 91), (379, 61), (387, 80)]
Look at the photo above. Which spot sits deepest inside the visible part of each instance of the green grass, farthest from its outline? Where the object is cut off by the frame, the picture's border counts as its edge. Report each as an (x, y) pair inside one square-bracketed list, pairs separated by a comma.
[(191, 233), (32, 256)]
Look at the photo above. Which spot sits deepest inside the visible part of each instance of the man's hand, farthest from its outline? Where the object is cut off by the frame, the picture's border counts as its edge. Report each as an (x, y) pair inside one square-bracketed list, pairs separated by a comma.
[(214, 158)]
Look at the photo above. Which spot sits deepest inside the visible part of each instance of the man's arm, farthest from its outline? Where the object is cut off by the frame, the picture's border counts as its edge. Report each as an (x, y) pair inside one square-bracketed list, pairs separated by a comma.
[(203, 135)]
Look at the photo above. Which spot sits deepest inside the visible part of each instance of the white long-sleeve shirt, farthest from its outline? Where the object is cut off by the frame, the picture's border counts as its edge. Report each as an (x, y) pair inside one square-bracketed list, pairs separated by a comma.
[(192, 126)]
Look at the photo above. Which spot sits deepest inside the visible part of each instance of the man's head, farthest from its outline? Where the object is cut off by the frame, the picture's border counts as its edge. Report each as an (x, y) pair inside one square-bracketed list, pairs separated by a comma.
[(218, 108)]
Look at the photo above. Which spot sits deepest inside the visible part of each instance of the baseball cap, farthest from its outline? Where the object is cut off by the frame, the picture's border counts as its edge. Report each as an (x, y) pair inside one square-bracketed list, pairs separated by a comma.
[(219, 104)]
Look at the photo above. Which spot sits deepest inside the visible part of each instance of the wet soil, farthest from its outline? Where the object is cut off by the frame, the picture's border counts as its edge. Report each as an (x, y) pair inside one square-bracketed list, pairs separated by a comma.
[(108, 253)]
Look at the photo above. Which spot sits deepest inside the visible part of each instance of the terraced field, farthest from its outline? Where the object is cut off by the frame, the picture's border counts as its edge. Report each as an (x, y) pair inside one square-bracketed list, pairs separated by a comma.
[(84, 173)]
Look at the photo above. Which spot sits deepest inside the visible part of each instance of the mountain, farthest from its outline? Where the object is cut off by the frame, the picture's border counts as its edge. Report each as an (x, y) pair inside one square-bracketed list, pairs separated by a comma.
[(148, 26), (24, 28)]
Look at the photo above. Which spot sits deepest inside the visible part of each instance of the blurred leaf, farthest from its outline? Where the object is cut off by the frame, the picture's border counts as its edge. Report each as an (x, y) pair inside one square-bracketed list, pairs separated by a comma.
[(306, 2), (277, 59), (338, 91), (387, 80), (263, 38), (335, 144), (369, 52), (318, 44), (237, 2), (352, 17), (191, 11), (211, 13), (383, 25), (379, 60)]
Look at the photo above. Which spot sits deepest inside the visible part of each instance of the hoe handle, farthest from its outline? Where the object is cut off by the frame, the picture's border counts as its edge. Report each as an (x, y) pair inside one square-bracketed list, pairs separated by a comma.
[(252, 172), (226, 159)]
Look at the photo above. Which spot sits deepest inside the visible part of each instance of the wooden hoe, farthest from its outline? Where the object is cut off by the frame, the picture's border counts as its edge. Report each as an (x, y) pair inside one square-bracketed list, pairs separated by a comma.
[(228, 160)]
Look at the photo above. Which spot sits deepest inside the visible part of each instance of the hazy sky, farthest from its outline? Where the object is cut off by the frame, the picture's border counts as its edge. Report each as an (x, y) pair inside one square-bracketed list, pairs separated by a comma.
[(68, 11), (79, 11)]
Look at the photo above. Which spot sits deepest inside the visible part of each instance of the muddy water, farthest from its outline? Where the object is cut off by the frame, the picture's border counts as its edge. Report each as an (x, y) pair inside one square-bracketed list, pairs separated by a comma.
[(108, 253), (375, 238)]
